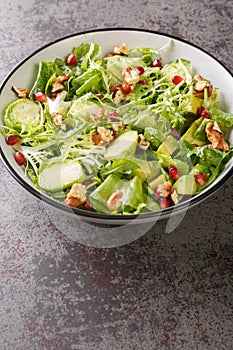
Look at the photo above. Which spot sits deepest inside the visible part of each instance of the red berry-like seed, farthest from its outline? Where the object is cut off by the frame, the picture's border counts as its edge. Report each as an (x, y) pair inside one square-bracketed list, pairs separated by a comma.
[(115, 87), (200, 109), (143, 82), (19, 158), (87, 205), (12, 140), (113, 114), (113, 119), (100, 96), (165, 202), (177, 79), (114, 134), (71, 60), (126, 88), (157, 63), (140, 70), (200, 178), (173, 172), (205, 114), (40, 96), (111, 53)]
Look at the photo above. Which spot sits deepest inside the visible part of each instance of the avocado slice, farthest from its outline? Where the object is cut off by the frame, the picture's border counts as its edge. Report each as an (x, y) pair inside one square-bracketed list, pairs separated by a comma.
[(168, 146), (185, 185), (189, 134), (157, 181), (194, 105), (124, 146)]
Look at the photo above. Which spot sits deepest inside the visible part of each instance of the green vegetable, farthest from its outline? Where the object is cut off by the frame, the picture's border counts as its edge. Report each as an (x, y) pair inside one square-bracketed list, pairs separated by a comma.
[(124, 146), (168, 146), (153, 127), (59, 175), (186, 185), (155, 136), (25, 116)]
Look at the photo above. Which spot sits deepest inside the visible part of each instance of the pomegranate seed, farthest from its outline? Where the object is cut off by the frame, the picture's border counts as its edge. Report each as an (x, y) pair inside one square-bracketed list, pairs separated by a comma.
[(111, 53), (173, 172), (19, 158), (200, 178), (40, 96), (12, 140), (140, 70), (205, 114), (175, 134), (200, 109), (177, 79), (100, 96), (115, 87), (113, 114), (143, 82), (113, 117), (87, 205), (165, 202), (157, 63), (126, 88), (114, 134), (71, 60)]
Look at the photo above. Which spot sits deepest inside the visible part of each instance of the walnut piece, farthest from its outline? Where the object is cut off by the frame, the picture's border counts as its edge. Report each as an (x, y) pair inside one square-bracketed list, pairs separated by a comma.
[(57, 119), (98, 116), (21, 92), (122, 49), (200, 85), (130, 76), (165, 189), (119, 96), (76, 196), (214, 135), (104, 133), (58, 85), (143, 143), (114, 201), (97, 140)]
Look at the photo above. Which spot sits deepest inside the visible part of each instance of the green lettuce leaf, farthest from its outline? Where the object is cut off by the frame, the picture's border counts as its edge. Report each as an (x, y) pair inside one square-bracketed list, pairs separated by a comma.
[(87, 54), (45, 71)]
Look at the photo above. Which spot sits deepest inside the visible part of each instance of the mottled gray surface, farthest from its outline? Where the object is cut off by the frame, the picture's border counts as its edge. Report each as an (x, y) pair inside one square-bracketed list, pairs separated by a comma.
[(161, 292)]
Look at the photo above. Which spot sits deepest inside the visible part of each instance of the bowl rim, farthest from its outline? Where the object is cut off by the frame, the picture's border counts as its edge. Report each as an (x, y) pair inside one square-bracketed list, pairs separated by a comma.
[(89, 215)]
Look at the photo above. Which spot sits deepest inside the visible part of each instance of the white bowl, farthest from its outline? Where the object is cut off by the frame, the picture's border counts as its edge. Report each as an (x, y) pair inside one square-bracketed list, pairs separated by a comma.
[(24, 74)]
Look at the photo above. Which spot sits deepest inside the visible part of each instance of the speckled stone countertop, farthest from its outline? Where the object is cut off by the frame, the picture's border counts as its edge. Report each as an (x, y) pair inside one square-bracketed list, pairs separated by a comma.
[(160, 292)]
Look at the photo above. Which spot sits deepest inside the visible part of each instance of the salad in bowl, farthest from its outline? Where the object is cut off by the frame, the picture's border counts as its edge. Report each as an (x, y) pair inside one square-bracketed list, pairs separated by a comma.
[(121, 132)]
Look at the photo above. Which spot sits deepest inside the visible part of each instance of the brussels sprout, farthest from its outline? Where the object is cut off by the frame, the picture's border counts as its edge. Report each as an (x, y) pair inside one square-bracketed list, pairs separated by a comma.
[(25, 116)]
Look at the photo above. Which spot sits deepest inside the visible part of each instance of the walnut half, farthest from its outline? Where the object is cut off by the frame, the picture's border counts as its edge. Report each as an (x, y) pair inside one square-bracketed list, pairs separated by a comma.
[(114, 201), (165, 189), (121, 50), (21, 92), (200, 85), (214, 135), (76, 196), (130, 75)]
